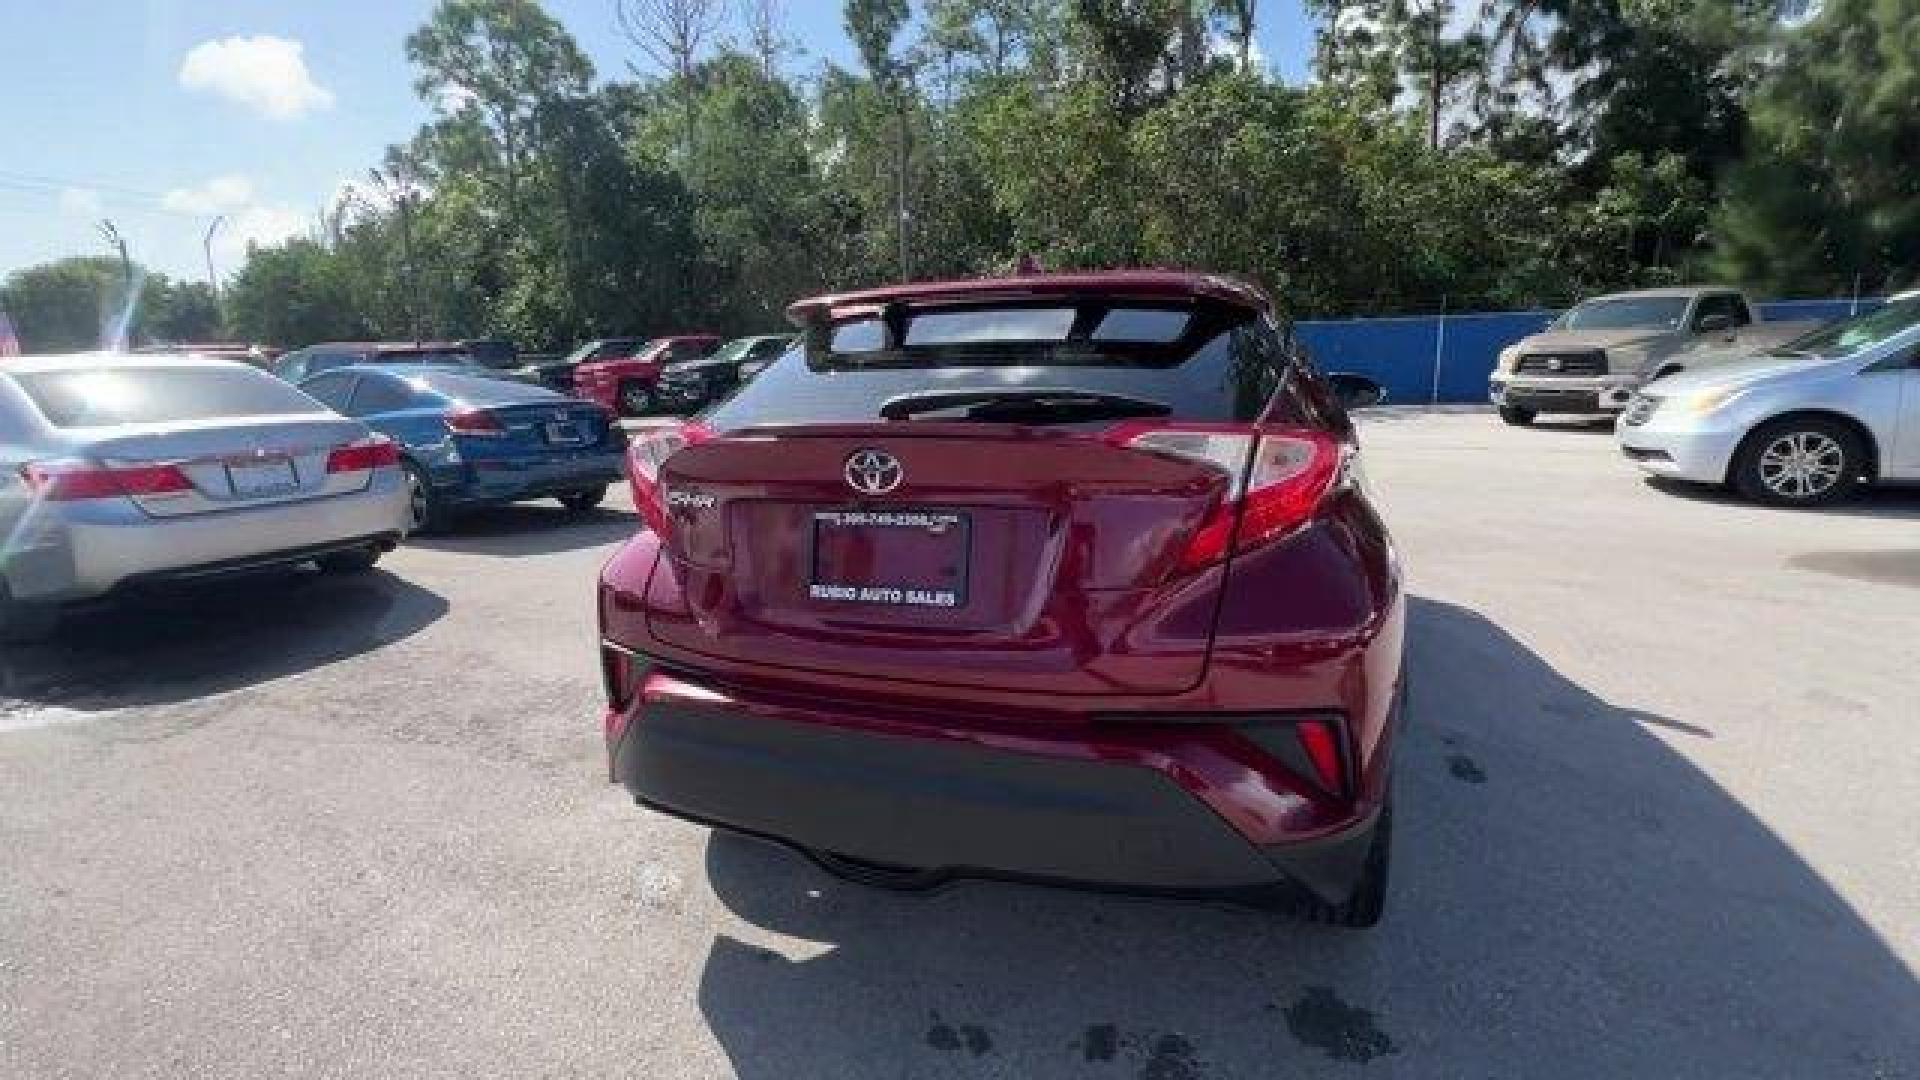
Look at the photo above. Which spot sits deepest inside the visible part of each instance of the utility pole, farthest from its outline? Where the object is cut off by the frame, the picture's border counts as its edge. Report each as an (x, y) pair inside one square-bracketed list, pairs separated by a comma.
[(906, 265), (1433, 77), (213, 283), (117, 332), (399, 191)]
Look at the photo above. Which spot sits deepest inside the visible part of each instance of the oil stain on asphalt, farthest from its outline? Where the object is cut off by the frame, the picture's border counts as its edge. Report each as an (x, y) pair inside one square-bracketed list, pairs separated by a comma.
[(1345, 1033), (948, 1037), (1465, 768), (1162, 1056)]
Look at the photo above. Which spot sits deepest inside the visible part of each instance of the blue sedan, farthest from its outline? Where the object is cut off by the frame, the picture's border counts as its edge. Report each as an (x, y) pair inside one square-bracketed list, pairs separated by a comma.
[(467, 440)]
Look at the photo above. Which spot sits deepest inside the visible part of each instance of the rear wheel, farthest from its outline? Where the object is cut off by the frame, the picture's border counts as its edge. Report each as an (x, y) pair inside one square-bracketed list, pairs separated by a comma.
[(636, 399), (582, 501), (426, 512), (357, 561), (1369, 899), (1516, 416), (1799, 461)]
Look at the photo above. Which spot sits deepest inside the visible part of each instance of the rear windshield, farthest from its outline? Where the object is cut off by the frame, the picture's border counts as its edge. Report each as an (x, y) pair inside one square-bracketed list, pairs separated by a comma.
[(432, 356), (100, 397), (1199, 364), (479, 389)]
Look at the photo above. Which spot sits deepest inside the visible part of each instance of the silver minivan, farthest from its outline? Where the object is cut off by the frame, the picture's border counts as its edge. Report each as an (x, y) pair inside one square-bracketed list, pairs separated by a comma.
[(1801, 424)]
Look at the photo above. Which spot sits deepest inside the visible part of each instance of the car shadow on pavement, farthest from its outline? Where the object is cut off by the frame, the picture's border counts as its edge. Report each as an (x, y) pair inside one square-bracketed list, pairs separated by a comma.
[(193, 641), (1571, 897), (521, 530), (1880, 501)]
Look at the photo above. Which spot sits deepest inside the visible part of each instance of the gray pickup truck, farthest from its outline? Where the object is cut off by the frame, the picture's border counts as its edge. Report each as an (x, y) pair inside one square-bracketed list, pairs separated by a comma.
[(1591, 359)]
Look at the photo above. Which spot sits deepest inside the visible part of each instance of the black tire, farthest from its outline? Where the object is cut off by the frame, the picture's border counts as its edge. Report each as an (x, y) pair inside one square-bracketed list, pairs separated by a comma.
[(582, 501), (427, 510), (636, 399), (1799, 461), (358, 561), (1369, 899), (1516, 416)]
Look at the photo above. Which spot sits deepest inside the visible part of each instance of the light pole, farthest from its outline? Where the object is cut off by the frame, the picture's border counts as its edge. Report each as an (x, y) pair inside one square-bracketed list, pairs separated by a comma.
[(213, 283)]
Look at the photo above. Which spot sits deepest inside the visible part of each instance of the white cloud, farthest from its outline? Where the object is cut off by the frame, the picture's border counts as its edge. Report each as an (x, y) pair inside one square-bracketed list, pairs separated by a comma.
[(262, 72), (220, 195), (261, 225), (80, 202)]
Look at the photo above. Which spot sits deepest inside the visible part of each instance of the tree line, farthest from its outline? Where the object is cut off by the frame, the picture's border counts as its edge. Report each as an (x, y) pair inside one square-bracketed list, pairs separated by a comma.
[(1476, 154)]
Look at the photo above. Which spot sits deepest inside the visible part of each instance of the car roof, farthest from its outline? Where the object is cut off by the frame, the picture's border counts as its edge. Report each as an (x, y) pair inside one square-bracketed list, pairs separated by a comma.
[(393, 346), (70, 361), (1665, 292), (1127, 283), (398, 371)]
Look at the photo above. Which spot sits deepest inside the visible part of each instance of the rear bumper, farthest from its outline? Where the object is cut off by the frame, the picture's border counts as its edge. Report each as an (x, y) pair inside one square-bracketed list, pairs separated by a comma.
[(907, 808), (483, 481), (78, 550)]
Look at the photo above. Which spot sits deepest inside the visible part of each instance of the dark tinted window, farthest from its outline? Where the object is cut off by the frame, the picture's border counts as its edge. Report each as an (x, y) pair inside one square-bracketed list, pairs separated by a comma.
[(1225, 371), (379, 393), (157, 395), (455, 357), (1721, 306), (481, 390), (332, 390)]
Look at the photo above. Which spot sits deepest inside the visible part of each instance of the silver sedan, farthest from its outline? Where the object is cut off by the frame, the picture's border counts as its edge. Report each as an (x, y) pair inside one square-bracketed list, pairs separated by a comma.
[(1803, 424), (117, 471)]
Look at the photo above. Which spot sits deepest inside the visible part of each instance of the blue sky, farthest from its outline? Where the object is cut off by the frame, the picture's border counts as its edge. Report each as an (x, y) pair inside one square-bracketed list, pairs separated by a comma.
[(162, 113)]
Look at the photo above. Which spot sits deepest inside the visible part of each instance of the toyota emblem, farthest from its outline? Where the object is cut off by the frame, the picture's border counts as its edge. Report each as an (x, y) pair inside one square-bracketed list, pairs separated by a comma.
[(1554, 363), (873, 472)]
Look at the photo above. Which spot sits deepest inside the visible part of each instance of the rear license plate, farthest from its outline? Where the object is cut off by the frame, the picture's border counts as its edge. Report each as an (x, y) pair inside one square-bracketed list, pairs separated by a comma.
[(259, 478), (565, 434), (891, 558)]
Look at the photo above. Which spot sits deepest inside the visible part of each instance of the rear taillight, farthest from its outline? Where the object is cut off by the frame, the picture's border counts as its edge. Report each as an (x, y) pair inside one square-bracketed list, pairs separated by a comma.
[(373, 452), (1320, 740), (473, 422), (647, 452), (77, 479), (1276, 478)]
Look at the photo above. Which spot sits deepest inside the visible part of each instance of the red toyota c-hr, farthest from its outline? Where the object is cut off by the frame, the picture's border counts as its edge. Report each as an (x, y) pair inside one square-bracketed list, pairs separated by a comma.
[(1065, 578)]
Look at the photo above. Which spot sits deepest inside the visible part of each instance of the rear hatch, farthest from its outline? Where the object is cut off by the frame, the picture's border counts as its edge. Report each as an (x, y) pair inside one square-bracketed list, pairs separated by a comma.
[(953, 513)]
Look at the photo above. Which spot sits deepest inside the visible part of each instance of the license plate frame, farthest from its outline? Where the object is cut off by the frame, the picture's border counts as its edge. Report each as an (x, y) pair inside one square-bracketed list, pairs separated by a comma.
[(262, 477), (897, 522)]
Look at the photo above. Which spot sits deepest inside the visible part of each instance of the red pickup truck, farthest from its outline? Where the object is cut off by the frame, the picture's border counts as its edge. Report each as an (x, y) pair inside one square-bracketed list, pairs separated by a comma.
[(629, 384)]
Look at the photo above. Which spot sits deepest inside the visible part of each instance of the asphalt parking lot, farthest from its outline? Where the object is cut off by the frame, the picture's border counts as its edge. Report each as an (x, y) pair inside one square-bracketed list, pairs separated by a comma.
[(1659, 816)]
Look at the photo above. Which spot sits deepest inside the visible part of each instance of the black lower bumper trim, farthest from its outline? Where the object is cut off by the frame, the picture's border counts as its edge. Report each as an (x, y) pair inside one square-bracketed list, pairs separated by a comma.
[(385, 541), (917, 814)]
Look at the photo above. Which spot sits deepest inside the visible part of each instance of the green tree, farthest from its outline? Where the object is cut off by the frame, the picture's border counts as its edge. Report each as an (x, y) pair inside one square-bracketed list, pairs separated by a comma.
[(1825, 195), (501, 59)]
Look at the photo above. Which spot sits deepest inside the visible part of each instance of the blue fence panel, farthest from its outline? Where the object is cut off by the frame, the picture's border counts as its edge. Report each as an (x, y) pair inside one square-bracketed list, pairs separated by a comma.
[(1400, 353)]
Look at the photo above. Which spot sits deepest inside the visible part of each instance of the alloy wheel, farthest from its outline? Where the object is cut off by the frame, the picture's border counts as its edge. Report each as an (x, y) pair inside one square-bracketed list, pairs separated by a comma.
[(1801, 465)]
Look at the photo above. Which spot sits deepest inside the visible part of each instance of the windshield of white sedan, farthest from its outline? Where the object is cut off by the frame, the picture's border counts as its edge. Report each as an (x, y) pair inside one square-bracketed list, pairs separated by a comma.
[(1627, 312), (1862, 332), (100, 397)]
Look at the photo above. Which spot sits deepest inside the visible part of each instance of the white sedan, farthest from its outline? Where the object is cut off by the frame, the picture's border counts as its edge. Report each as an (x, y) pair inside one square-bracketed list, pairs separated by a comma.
[(116, 471), (1803, 424)]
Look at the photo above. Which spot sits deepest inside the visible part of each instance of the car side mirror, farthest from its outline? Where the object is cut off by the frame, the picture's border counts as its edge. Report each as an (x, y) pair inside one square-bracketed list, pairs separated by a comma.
[(1719, 322), (1356, 391)]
